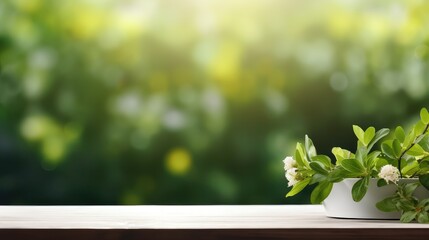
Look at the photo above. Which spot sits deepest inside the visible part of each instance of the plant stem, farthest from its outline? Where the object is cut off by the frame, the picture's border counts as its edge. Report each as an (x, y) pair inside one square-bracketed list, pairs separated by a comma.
[(406, 150)]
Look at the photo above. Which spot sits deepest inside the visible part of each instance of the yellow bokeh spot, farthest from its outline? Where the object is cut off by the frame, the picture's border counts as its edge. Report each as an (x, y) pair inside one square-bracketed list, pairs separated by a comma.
[(408, 31), (86, 24), (225, 66), (131, 25), (376, 28), (36, 127), (53, 149), (178, 161), (27, 6), (341, 24), (54, 138)]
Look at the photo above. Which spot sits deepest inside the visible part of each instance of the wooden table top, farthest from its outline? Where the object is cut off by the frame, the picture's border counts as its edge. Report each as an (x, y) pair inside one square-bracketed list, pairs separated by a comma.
[(194, 222), (183, 217)]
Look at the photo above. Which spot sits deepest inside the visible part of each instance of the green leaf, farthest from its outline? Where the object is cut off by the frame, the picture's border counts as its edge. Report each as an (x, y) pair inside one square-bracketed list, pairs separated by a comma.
[(387, 205), (309, 148), (410, 188), (321, 192), (411, 168), (405, 204), (396, 145), (341, 154), (318, 167), (424, 180), (361, 153), (408, 216), (378, 135), (424, 143), (409, 139), (360, 134), (419, 127), (370, 159), (424, 115), (359, 189), (300, 157), (416, 150), (338, 174), (388, 150), (400, 134), (353, 166), (424, 164), (380, 162), (381, 183), (317, 177), (423, 217), (419, 138), (423, 203), (324, 160), (368, 135), (298, 187)]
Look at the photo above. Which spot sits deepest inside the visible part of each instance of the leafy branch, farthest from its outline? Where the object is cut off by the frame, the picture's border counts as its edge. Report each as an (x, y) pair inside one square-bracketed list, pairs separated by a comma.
[(416, 140), (401, 156), (404, 201)]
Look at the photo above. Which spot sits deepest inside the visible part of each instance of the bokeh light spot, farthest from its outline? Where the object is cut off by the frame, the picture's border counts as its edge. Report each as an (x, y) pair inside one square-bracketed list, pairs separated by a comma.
[(174, 119), (35, 127), (178, 161), (53, 149), (339, 82), (27, 6)]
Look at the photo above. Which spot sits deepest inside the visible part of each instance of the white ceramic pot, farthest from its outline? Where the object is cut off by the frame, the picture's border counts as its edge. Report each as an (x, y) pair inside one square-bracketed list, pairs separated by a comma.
[(339, 203)]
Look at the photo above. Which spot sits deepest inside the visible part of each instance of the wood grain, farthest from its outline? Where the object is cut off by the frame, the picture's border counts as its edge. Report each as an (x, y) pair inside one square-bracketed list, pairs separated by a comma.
[(193, 222)]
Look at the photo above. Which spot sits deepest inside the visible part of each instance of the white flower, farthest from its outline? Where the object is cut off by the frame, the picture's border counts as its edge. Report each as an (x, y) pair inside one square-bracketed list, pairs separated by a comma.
[(389, 173), (289, 163), (291, 176)]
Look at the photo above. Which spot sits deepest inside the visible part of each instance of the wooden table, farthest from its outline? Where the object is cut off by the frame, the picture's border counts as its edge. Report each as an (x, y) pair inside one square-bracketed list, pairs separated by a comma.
[(193, 222)]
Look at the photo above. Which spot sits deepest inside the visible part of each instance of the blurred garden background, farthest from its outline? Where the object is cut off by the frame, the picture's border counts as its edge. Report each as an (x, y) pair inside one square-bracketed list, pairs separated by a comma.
[(195, 102)]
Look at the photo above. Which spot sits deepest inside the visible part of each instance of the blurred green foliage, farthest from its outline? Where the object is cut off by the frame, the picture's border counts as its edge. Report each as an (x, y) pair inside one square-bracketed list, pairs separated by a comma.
[(194, 102)]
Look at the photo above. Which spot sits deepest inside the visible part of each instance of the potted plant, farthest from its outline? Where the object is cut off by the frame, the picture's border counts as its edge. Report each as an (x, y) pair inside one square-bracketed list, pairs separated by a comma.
[(389, 182)]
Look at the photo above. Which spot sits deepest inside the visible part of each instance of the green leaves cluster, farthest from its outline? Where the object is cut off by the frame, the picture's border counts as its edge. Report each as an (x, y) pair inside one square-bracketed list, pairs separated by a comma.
[(313, 169), (404, 201), (409, 152), (319, 169)]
